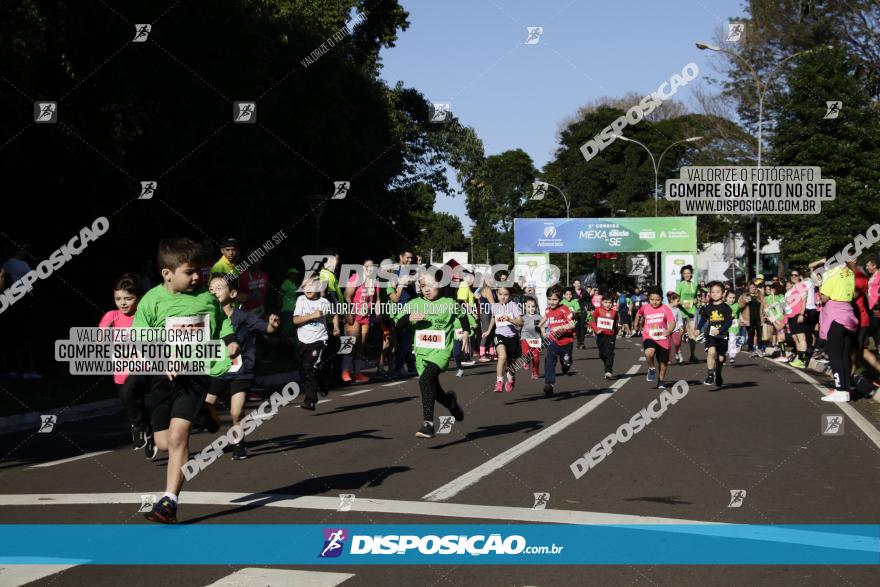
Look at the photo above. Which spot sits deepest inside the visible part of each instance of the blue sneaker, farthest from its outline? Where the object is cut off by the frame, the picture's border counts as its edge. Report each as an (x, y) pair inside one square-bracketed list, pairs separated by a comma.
[(652, 375), (164, 511)]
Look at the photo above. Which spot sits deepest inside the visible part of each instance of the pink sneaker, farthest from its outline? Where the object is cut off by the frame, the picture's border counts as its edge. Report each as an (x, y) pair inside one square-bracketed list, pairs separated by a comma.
[(498, 385), (508, 387), (534, 376)]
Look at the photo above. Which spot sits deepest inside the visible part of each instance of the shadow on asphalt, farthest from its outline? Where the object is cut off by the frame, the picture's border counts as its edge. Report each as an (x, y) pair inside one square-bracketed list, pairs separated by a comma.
[(526, 426), (384, 402), (307, 487), (668, 500), (285, 443)]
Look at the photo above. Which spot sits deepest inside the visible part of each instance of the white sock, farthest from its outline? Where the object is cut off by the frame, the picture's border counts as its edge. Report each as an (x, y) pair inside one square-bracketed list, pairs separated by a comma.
[(500, 379), (170, 496)]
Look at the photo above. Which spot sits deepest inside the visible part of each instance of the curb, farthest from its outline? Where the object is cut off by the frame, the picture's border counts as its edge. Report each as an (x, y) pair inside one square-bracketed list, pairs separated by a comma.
[(32, 420)]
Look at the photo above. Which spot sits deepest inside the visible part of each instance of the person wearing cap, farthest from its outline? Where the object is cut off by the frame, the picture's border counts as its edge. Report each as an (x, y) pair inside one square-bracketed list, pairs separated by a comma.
[(229, 257)]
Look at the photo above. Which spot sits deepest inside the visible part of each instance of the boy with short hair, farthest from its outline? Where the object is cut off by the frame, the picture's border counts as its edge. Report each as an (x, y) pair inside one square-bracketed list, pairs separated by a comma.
[(604, 324), (558, 325), (174, 400), (719, 317), (309, 316), (237, 382)]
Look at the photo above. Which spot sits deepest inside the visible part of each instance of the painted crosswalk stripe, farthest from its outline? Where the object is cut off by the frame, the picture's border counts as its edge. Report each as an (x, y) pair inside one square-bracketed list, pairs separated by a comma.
[(358, 392), (281, 578), (393, 383), (15, 575), (70, 460), (461, 483)]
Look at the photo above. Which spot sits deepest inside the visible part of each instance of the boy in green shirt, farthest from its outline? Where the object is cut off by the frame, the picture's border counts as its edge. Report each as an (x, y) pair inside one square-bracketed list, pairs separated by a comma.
[(173, 401), (435, 318)]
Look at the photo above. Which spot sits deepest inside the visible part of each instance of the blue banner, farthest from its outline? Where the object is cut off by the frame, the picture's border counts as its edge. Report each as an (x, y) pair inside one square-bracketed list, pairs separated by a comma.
[(596, 235), (513, 544)]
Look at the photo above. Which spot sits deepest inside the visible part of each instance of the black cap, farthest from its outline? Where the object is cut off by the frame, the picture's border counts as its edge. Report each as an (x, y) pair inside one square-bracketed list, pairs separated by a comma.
[(229, 242)]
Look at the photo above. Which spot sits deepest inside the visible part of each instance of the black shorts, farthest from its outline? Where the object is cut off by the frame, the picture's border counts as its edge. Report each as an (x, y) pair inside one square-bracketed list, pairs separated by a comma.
[(179, 398), (510, 343), (661, 353), (794, 327), (717, 343), (228, 386), (623, 318)]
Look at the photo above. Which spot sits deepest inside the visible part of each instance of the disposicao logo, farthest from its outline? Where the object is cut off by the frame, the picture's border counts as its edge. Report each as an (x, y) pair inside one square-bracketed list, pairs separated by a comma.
[(334, 542)]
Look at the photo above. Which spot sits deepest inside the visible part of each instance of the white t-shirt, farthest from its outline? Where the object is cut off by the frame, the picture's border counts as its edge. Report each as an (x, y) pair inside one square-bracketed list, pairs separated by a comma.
[(510, 309), (314, 330), (811, 294)]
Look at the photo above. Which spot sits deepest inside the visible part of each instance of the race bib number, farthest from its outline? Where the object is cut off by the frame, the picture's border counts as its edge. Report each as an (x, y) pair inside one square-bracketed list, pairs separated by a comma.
[(657, 333), (605, 323), (534, 343), (687, 304), (431, 339), (189, 322)]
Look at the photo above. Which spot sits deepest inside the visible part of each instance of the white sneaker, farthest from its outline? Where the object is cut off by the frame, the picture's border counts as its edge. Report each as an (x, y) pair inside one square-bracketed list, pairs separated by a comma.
[(608, 375), (678, 358), (837, 397), (459, 373)]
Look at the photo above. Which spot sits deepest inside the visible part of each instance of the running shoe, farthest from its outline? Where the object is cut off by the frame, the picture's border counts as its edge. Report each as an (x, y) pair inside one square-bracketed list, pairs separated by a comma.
[(783, 359), (679, 358), (710, 379), (346, 377), (508, 386), (239, 451), (484, 359), (732, 361), (455, 407), (212, 423), (499, 386), (459, 373), (797, 363), (754, 354), (661, 384), (308, 404), (151, 451), (837, 396), (138, 438), (426, 431), (608, 375), (652, 375), (360, 378), (548, 389), (534, 376), (164, 511)]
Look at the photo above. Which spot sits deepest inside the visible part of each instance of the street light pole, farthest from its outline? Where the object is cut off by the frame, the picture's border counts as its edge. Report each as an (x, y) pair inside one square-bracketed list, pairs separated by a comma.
[(568, 217), (761, 90), (656, 164)]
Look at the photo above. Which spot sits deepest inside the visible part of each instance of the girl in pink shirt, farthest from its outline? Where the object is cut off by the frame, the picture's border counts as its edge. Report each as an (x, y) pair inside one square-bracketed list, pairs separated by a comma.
[(659, 323), (361, 292), (126, 293)]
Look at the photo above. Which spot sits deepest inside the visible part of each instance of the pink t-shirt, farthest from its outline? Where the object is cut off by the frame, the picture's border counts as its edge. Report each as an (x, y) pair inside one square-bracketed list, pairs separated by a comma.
[(656, 323), (363, 295), (116, 319), (873, 289)]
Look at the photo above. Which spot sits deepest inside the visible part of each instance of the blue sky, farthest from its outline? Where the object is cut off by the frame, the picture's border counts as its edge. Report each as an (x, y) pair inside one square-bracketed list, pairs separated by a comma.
[(472, 53)]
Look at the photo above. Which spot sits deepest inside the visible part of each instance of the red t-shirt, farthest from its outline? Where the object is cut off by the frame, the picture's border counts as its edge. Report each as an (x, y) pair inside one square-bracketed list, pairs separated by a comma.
[(859, 298), (604, 321), (254, 284), (656, 320), (559, 316)]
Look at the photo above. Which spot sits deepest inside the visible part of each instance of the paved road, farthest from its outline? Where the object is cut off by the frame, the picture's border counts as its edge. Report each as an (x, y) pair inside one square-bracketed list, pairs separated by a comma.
[(761, 433)]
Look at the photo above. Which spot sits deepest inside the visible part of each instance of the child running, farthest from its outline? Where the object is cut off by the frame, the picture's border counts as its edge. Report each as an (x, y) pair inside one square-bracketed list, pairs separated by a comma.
[(174, 400), (238, 380), (125, 294), (687, 293), (719, 317), (735, 341), (434, 316), (675, 337), (558, 326), (506, 319), (530, 344), (604, 324), (310, 319), (657, 322)]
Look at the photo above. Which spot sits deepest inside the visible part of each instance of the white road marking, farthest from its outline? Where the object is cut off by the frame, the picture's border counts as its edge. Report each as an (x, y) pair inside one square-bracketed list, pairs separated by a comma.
[(358, 392), (364, 504), (15, 575), (70, 460), (864, 425), (641, 359), (461, 483), (394, 383), (324, 401), (281, 578)]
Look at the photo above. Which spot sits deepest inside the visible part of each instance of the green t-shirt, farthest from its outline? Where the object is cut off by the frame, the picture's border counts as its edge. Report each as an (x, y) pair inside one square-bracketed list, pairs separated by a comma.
[(572, 304), (734, 310), (224, 266), (332, 284), (435, 334), (159, 308), (687, 293), (775, 307), (288, 295)]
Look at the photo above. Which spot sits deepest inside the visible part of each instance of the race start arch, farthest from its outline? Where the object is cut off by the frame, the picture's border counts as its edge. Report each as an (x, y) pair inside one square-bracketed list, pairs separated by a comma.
[(673, 236)]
